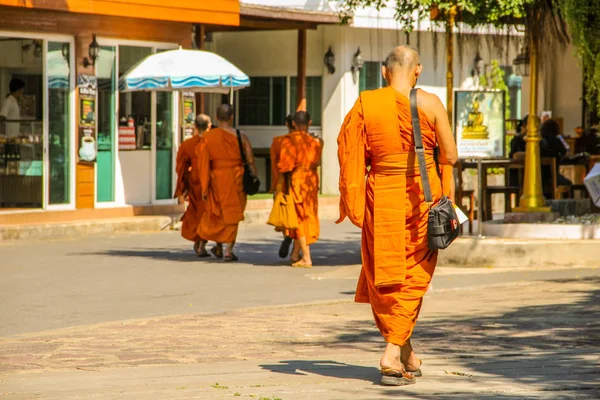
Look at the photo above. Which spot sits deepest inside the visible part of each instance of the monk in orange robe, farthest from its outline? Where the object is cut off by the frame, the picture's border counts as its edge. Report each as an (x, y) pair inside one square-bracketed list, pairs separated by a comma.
[(376, 141), (188, 185), (221, 177), (277, 181), (300, 156)]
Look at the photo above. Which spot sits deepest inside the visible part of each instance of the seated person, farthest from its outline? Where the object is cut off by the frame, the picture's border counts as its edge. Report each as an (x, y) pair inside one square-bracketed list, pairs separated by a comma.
[(551, 146), (517, 150), (589, 142)]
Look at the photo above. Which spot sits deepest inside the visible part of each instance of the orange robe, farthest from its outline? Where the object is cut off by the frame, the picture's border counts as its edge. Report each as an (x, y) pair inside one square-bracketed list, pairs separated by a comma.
[(188, 180), (221, 178), (301, 155), (275, 151), (389, 206)]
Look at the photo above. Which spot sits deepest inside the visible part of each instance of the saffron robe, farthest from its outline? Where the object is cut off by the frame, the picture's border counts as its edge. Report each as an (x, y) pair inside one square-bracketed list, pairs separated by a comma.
[(221, 178), (188, 181), (274, 152), (376, 140), (301, 155)]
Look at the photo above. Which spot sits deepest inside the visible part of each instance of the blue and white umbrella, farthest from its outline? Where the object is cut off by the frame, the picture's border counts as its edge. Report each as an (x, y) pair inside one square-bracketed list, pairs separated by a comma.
[(184, 70)]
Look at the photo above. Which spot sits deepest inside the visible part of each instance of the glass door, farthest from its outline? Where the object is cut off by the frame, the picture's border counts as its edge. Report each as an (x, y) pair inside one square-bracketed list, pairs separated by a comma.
[(107, 92), (164, 146), (59, 123)]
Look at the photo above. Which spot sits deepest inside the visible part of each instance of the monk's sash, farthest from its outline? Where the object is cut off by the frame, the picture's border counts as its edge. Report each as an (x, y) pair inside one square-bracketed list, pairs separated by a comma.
[(226, 163), (390, 199)]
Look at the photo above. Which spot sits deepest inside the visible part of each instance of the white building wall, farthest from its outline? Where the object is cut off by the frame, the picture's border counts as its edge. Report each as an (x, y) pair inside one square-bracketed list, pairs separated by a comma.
[(566, 83), (274, 53)]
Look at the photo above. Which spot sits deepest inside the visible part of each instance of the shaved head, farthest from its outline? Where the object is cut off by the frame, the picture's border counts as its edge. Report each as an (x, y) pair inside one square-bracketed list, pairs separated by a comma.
[(225, 112), (202, 122), (404, 57)]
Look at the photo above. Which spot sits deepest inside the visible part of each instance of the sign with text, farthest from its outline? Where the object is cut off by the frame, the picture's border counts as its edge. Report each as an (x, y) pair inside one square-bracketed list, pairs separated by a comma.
[(479, 125), (188, 114), (88, 145)]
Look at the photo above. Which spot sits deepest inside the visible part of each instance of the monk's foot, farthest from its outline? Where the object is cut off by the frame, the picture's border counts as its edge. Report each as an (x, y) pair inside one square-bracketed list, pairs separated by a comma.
[(217, 251), (302, 264), (412, 363)]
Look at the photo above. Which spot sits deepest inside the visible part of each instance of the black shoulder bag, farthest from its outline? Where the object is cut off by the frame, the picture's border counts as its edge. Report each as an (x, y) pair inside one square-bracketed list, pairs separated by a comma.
[(251, 182), (442, 225)]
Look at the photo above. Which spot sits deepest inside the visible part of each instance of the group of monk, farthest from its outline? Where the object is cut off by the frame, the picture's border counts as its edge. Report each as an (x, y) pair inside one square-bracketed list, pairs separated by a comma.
[(381, 192), (210, 172)]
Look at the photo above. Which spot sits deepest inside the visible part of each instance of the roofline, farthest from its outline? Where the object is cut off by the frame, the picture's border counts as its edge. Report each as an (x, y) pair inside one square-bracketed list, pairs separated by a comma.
[(288, 14)]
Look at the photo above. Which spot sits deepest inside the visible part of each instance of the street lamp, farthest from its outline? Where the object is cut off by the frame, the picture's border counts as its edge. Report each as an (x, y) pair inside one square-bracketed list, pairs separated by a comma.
[(522, 62)]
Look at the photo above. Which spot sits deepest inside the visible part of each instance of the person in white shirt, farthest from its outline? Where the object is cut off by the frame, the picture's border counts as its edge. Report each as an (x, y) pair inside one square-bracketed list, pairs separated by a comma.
[(11, 110)]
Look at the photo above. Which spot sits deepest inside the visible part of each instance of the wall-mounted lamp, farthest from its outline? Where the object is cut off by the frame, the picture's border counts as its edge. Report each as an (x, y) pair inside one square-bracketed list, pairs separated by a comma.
[(330, 61), (93, 52), (358, 61), (522, 62), (477, 70)]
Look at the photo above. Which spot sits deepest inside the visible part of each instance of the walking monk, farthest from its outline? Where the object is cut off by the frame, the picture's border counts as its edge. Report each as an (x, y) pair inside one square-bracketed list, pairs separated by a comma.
[(277, 180), (221, 177), (301, 155), (188, 185), (390, 206)]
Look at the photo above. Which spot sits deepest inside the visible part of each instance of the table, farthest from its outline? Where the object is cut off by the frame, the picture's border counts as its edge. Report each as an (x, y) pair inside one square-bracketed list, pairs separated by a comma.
[(482, 165)]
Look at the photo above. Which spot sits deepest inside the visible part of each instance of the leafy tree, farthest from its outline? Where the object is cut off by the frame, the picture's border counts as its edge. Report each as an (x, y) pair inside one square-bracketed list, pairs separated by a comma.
[(583, 20)]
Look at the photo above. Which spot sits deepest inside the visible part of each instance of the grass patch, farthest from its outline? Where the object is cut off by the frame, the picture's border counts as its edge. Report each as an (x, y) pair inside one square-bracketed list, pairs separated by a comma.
[(217, 386)]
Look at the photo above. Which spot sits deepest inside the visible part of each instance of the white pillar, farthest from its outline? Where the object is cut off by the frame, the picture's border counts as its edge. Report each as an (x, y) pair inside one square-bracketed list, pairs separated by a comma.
[(340, 91)]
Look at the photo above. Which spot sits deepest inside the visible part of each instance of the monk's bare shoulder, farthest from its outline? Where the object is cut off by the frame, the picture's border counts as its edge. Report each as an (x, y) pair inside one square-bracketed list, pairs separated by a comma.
[(430, 103)]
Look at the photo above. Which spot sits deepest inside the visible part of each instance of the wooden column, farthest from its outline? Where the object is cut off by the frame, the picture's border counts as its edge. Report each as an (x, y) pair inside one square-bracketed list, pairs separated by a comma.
[(85, 175), (450, 62), (301, 81), (200, 36)]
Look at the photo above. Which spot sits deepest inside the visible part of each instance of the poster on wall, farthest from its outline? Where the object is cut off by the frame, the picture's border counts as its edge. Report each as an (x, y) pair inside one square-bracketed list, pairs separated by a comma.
[(88, 148), (188, 114), (479, 123)]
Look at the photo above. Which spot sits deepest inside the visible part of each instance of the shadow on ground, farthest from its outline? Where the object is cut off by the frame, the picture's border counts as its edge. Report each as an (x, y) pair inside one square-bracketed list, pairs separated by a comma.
[(326, 252), (552, 347)]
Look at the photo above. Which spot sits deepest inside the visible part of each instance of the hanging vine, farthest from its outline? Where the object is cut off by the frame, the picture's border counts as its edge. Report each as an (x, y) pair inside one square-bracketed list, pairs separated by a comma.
[(583, 20), (434, 39)]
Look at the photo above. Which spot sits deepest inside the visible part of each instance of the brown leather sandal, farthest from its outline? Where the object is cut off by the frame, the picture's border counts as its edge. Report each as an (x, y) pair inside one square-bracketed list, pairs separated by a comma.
[(396, 377), (417, 372)]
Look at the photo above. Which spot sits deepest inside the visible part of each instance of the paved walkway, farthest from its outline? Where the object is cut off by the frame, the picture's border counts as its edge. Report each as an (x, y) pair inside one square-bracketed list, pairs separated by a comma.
[(528, 340)]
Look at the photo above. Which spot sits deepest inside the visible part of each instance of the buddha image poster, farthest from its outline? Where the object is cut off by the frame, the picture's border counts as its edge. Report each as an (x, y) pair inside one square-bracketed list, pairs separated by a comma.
[(479, 123)]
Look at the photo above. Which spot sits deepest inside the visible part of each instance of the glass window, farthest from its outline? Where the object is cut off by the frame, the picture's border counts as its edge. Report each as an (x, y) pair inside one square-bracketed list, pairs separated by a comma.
[(314, 102), (370, 77), (59, 132), (263, 103), (21, 135), (164, 145), (107, 86)]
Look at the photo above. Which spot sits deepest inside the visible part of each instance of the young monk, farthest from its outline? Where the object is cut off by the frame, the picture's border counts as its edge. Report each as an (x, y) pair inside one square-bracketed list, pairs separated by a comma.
[(390, 205), (301, 155), (277, 180), (221, 178), (188, 185)]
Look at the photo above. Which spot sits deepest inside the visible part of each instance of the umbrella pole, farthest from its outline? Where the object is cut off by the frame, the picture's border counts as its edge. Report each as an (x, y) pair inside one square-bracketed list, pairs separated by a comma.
[(231, 96)]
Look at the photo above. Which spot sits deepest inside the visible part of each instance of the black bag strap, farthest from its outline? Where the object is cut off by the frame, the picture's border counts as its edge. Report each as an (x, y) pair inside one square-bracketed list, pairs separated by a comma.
[(419, 149), (242, 153)]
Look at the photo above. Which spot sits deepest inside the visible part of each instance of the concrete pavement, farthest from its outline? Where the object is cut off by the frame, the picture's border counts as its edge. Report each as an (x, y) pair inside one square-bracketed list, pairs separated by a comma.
[(536, 340), (137, 316)]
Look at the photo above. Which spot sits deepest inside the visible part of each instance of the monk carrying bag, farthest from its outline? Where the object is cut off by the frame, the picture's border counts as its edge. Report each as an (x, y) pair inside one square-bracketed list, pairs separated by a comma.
[(251, 182), (283, 214), (442, 224)]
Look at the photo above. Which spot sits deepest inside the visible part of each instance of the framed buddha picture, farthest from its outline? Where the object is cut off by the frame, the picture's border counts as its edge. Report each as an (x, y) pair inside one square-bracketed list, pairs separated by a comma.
[(479, 126)]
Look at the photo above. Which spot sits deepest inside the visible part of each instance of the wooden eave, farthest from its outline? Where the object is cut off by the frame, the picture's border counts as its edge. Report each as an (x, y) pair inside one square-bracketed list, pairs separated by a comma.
[(254, 17)]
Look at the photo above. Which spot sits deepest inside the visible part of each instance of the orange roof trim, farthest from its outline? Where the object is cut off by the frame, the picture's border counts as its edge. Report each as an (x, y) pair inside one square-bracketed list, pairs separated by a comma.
[(214, 12)]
